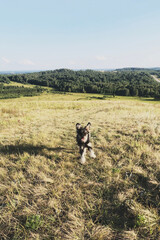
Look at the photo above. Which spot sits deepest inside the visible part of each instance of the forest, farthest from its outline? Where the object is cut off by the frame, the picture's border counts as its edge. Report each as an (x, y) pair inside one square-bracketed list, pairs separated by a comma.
[(130, 82), (16, 91)]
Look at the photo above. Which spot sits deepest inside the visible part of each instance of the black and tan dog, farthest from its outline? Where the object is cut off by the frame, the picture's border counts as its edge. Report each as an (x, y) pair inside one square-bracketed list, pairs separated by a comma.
[(83, 141)]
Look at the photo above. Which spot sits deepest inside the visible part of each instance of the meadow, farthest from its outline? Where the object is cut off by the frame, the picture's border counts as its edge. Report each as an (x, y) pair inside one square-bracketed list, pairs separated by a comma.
[(45, 193)]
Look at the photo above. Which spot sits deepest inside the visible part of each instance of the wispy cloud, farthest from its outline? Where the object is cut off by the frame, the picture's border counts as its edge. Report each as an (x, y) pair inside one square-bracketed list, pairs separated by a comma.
[(5, 60), (101, 58)]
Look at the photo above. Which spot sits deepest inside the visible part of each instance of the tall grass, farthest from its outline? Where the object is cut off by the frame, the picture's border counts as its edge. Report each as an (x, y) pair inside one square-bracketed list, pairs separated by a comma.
[(45, 193)]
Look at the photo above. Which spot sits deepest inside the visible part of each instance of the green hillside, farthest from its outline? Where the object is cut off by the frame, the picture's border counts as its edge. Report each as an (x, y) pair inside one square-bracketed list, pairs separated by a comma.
[(122, 83)]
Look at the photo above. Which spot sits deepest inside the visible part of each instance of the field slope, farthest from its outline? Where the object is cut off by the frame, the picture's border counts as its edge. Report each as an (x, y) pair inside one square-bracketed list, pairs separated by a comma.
[(45, 193)]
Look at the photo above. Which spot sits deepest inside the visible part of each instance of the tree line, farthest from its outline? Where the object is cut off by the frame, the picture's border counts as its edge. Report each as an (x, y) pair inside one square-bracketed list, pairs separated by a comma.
[(16, 92), (121, 83)]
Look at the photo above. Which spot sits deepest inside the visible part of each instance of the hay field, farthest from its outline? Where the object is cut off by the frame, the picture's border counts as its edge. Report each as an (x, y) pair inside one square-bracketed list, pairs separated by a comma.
[(45, 193)]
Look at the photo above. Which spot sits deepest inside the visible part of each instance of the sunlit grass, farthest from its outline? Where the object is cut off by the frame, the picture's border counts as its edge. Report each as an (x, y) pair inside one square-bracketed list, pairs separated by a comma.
[(45, 193), (16, 84)]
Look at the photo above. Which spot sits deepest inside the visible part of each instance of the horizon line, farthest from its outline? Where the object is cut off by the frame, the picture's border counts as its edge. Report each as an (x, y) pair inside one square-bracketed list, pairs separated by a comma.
[(77, 69)]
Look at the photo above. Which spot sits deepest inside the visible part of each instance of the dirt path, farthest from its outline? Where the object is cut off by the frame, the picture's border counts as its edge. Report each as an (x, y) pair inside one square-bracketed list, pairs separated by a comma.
[(155, 78)]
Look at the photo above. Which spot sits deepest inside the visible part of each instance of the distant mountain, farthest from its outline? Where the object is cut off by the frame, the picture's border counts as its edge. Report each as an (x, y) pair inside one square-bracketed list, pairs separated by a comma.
[(18, 72), (58, 70), (138, 69), (156, 68), (96, 69)]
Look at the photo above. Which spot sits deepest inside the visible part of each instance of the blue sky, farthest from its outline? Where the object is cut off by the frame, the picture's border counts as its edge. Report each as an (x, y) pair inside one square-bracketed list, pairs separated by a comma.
[(50, 34)]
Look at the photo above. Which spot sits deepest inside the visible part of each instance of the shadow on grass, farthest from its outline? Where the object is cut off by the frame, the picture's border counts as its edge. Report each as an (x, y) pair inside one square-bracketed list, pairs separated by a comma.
[(104, 97), (32, 150), (113, 212), (149, 99), (148, 193), (98, 98)]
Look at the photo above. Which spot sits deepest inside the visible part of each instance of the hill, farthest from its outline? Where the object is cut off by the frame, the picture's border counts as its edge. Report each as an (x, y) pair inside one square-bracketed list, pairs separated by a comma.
[(138, 69), (45, 193), (121, 83)]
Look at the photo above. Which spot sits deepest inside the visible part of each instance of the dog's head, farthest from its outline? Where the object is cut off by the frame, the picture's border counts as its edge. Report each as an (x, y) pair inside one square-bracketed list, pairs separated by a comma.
[(83, 132)]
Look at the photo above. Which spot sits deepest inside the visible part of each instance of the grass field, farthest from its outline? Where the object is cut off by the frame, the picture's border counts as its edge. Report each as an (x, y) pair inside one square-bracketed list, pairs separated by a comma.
[(45, 193), (16, 84)]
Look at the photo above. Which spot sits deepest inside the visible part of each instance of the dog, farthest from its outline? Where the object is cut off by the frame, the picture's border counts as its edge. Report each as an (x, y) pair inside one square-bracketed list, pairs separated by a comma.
[(83, 141)]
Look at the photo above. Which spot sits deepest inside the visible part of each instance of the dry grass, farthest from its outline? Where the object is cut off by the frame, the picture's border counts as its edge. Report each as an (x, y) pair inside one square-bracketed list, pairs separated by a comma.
[(16, 84), (46, 194)]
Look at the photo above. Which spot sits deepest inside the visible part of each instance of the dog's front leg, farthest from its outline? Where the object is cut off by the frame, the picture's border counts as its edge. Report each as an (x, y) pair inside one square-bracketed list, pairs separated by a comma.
[(91, 152), (83, 153)]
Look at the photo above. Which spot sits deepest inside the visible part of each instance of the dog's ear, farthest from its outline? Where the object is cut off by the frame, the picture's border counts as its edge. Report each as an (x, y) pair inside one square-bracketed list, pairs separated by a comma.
[(78, 126), (88, 126)]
